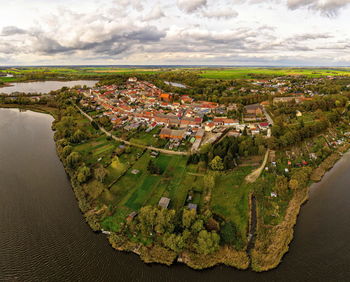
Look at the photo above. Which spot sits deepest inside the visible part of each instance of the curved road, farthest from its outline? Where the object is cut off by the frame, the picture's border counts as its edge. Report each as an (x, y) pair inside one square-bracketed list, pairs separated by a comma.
[(252, 177), (165, 151)]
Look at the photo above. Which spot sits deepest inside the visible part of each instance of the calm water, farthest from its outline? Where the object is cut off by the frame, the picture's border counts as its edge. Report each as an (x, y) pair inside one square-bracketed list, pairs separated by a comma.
[(43, 236), (176, 84), (43, 86)]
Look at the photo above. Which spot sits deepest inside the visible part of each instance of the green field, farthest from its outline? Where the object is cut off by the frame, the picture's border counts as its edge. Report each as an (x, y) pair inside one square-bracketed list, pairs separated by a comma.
[(230, 197), (249, 73)]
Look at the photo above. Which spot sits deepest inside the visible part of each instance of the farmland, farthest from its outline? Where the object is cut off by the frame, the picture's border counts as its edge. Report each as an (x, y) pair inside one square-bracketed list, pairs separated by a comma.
[(249, 73)]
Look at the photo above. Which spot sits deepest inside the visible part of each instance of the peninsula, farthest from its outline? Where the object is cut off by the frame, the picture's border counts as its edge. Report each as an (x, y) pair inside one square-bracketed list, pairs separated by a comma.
[(209, 169)]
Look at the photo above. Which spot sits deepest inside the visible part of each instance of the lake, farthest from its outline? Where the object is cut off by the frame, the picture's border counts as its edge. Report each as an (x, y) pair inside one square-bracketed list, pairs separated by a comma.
[(43, 236), (43, 86), (176, 84)]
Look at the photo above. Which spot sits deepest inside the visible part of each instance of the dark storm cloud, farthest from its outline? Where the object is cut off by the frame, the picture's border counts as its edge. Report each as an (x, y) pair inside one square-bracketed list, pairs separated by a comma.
[(114, 42)]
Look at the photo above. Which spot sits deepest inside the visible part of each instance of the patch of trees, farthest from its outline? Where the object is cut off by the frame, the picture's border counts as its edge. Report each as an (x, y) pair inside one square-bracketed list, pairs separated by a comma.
[(225, 155), (189, 232), (286, 135), (153, 168)]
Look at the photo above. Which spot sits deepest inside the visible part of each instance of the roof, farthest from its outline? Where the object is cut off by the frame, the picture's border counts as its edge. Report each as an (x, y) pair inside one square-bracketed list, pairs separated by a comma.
[(253, 107), (192, 206), (164, 202)]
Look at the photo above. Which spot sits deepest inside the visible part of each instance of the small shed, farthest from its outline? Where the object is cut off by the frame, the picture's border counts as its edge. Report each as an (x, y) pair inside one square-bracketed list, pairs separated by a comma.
[(131, 216), (135, 171), (192, 206), (164, 202)]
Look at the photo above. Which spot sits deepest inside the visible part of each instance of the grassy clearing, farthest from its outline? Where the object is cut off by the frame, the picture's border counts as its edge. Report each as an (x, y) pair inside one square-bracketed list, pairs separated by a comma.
[(249, 73), (97, 149), (130, 182), (145, 138), (230, 197)]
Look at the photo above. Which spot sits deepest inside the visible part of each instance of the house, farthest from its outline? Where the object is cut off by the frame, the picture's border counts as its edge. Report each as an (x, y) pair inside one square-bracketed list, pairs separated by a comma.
[(254, 130), (265, 103), (192, 206), (218, 121), (132, 79), (231, 122), (154, 154), (263, 125), (254, 109), (200, 133), (165, 97), (164, 202), (209, 126), (167, 133), (186, 99), (298, 113), (233, 133)]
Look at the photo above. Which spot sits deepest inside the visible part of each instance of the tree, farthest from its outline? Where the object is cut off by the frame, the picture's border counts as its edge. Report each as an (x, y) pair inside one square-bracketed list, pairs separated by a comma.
[(67, 150), (188, 216), (153, 168), (293, 184), (101, 173), (83, 174), (197, 225), (174, 242), (228, 233), (73, 159), (207, 242), (216, 163), (78, 136)]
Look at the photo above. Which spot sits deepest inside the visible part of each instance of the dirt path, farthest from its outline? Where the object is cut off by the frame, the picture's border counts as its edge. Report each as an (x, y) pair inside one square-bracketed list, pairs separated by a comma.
[(252, 177), (195, 174), (165, 151)]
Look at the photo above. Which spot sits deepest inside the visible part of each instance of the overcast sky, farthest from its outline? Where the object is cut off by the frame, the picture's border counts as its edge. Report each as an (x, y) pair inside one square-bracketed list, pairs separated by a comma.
[(207, 32)]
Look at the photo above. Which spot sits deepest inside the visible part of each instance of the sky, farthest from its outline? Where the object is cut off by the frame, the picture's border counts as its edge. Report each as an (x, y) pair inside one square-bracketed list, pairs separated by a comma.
[(175, 32)]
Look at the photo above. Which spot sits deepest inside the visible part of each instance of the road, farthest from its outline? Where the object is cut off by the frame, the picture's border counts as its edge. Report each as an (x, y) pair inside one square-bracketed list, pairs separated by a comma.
[(164, 151), (268, 117), (252, 177)]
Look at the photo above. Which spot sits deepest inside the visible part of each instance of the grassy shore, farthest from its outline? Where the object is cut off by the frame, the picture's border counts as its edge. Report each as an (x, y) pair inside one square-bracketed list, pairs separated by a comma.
[(272, 242)]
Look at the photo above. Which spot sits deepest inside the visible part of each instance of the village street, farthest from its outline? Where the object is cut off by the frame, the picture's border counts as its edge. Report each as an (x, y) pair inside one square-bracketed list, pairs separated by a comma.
[(165, 151)]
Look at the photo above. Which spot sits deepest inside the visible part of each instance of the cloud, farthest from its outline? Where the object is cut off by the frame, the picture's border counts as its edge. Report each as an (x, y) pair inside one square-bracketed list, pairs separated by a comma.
[(326, 7), (12, 30), (310, 36), (223, 13), (190, 6), (135, 4), (155, 14)]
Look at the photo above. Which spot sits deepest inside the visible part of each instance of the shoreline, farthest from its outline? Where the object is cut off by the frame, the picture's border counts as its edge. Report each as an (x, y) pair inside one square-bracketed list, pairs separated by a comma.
[(282, 234), (260, 258)]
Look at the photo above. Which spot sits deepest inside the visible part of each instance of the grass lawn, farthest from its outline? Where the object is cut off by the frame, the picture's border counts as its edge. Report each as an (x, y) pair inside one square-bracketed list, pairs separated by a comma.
[(95, 149), (135, 191), (145, 138), (114, 222), (130, 182), (115, 169), (230, 197)]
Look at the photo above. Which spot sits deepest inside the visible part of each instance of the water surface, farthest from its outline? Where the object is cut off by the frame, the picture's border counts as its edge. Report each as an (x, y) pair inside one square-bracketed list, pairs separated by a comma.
[(43, 236), (43, 87), (176, 84)]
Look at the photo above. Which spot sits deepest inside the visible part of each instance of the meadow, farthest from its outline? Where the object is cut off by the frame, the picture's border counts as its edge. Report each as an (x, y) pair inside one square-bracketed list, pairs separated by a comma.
[(250, 73)]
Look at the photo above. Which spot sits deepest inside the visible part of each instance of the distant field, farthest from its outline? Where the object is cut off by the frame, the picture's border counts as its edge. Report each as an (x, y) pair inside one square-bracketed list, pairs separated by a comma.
[(246, 73), (78, 70)]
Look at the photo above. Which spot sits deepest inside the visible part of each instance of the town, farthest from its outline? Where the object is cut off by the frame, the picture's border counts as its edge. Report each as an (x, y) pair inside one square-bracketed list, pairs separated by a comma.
[(181, 120)]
